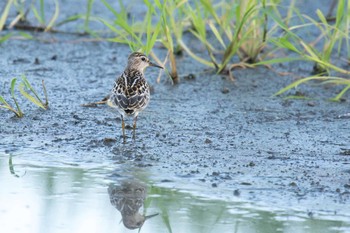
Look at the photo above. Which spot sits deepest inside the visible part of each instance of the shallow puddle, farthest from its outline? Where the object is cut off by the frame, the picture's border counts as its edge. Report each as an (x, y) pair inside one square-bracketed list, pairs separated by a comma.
[(41, 194)]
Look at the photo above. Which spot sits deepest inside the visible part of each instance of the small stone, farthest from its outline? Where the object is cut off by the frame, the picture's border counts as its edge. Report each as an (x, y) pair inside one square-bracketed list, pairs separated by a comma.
[(190, 77), (236, 193), (207, 141), (311, 104), (310, 214), (225, 90), (54, 57), (109, 141), (36, 61), (293, 184), (215, 173), (166, 181), (251, 164), (246, 183)]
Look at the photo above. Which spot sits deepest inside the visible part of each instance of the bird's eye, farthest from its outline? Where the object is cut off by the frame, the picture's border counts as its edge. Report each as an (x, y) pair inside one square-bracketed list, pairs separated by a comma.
[(143, 59)]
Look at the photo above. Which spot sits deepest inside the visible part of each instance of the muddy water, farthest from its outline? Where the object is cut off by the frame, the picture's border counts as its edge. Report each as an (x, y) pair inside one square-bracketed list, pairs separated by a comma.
[(40, 193)]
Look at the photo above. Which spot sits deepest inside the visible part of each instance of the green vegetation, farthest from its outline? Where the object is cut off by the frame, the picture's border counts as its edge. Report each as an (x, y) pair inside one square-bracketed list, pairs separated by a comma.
[(40, 16), (233, 33), (17, 110), (25, 89)]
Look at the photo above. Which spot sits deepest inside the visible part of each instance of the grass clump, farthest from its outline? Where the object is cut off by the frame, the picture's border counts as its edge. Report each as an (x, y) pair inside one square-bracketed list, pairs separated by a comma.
[(238, 27), (4, 104), (330, 40), (324, 80), (30, 94), (233, 34), (5, 13), (27, 91), (172, 28)]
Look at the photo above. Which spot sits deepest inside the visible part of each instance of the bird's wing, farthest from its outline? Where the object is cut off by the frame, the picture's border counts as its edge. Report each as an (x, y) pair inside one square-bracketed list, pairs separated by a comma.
[(138, 92), (130, 91)]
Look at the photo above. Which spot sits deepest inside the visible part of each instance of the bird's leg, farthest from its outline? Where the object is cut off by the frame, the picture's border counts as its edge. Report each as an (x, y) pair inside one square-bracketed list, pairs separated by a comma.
[(134, 127), (123, 127)]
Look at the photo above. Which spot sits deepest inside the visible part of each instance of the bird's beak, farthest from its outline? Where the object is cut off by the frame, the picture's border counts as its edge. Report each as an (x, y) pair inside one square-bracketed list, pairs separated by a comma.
[(155, 65), (153, 215)]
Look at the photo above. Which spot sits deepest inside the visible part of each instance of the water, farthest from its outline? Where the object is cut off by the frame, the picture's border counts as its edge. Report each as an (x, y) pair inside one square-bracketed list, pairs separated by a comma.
[(39, 193)]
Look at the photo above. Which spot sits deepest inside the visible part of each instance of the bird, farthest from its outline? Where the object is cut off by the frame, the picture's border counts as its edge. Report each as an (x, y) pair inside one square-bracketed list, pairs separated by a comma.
[(128, 197), (131, 93)]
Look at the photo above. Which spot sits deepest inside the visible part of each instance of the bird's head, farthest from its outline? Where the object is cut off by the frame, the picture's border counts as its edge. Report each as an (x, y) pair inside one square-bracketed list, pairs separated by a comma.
[(136, 220), (140, 61)]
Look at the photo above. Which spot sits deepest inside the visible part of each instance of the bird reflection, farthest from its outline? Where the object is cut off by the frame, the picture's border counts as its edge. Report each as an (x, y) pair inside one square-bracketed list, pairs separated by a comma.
[(128, 197)]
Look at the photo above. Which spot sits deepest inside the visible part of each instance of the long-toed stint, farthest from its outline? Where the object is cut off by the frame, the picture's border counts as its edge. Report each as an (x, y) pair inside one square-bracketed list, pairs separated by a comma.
[(131, 94)]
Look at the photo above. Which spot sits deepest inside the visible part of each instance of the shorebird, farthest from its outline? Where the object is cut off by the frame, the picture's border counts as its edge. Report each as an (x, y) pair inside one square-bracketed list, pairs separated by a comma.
[(131, 93), (128, 197)]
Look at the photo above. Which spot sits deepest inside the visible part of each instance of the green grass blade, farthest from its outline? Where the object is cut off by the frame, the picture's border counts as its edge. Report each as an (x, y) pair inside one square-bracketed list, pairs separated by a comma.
[(158, 4), (54, 17), (310, 50), (110, 8), (42, 10), (5, 38), (283, 42), (29, 97), (5, 14), (303, 80), (194, 56), (337, 81), (8, 108), (13, 84), (11, 167), (46, 104), (321, 17), (37, 15), (110, 26), (340, 95), (28, 86), (70, 19), (26, 35), (6, 105), (2, 100), (166, 219), (278, 60), (234, 44), (217, 34), (340, 13), (88, 13), (151, 37), (208, 6)]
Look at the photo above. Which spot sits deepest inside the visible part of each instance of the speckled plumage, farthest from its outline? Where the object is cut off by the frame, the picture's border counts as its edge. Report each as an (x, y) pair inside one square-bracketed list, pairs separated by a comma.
[(131, 94)]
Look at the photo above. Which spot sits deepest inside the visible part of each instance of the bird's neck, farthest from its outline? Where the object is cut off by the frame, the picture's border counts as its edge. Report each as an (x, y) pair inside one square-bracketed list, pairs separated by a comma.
[(133, 72)]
